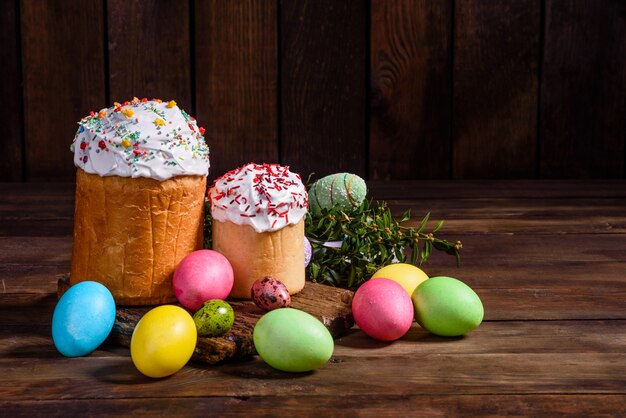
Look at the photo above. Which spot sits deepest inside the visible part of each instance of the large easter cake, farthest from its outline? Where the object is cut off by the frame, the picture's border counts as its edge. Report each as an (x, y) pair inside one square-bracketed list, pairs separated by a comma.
[(140, 184)]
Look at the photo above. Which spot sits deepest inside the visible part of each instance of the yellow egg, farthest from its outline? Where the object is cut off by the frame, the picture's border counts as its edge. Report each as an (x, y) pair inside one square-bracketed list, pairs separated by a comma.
[(163, 341), (407, 275)]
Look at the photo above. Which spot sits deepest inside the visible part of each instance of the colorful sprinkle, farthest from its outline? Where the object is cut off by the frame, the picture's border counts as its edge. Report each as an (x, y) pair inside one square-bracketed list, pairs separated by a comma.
[(128, 112), (159, 122), (171, 104), (125, 143)]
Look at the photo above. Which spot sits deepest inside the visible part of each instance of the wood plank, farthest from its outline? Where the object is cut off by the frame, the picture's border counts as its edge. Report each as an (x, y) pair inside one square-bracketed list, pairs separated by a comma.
[(323, 101), (518, 276), (435, 374), (456, 189), (332, 405), (411, 89), (19, 339), (236, 81), (150, 51), (496, 49), (495, 215), (518, 216), (398, 189), (63, 71), (583, 89), (11, 146), (330, 305)]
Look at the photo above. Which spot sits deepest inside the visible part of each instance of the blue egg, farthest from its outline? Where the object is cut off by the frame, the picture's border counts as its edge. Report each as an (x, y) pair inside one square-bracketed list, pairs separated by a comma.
[(83, 319)]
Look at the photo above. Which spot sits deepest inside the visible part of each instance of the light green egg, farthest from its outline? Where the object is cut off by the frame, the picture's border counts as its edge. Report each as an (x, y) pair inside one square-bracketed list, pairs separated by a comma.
[(292, 340), (446, 306), (342, 189)]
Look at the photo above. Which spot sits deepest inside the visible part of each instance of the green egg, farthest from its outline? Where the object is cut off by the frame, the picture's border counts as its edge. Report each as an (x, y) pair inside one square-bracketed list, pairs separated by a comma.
[(292, 340), (342, 189), (446, 306), (214, 318)]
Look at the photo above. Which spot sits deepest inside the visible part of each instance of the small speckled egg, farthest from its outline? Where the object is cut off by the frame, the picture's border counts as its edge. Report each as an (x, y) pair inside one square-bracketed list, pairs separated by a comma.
[(270, 293), (292, 340), (214, 319), (446, 306), (82, 319), (308, 252), (382, 309)]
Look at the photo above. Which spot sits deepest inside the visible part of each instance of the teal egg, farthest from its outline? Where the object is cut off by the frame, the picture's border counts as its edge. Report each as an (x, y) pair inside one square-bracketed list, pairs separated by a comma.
[(83, 319), (446, 306), (214, 318), (342, 189), (292, 340)]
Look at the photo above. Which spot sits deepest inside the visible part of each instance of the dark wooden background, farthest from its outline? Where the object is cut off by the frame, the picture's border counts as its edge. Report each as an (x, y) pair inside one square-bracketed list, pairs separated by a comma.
[(406, 89)]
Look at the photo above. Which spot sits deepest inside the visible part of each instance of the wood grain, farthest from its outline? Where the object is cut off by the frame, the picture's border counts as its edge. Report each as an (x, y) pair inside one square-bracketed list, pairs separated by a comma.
[(436, 374), (583, 94), (496, 50), (332, 405), (552, 343), (330, 305), (501, 337), (11, 153), (236, 81), (410, 89), (149, 51), (63, 73), (323, 101)]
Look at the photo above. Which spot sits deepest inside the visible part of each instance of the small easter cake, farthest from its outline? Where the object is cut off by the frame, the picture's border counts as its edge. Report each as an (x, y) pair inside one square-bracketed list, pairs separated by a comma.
[(258, 224), (140, 184)]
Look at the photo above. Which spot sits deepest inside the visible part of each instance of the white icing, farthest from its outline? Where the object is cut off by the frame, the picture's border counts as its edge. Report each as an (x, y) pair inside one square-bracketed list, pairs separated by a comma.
[(116, 142), (267, 197)]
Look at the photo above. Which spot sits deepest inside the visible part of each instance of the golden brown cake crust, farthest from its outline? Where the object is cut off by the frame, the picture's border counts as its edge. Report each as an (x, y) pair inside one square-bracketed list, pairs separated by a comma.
[(131, 233), (254, 255)]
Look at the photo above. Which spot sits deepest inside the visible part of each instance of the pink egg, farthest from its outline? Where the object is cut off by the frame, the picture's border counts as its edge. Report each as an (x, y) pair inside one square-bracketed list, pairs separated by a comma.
[(202, 275), (382, 309)]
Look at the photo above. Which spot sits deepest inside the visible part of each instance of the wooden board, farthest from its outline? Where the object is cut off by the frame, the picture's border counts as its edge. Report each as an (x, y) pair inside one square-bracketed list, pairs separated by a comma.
[(323, 101), (64, 79), (332, 306), (149, 51), (446, 405), (496, 50), (236, 81), (583, 89), (11, 149), (411, 89)]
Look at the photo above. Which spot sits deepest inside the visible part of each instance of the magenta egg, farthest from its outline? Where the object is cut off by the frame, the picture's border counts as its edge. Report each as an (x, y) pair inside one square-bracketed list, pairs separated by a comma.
[(382, 309), (202, 275), (270, 293)]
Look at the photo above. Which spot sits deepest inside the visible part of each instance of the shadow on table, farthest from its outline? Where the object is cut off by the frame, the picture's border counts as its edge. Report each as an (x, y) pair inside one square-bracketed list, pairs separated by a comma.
[(356, 338), (254, 368), (123, 374)]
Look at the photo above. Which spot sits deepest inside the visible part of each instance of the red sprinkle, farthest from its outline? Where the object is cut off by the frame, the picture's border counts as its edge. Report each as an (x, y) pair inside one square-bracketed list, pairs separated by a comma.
[(83, 145), (102, 144)]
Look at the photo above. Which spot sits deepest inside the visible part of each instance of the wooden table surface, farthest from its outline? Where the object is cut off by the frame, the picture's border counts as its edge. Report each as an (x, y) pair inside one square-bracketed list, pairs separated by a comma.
[(547, 258)]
